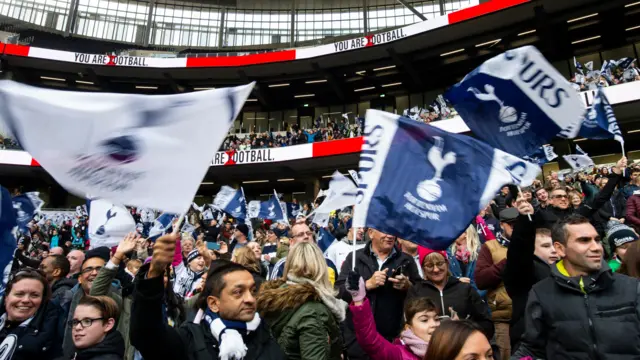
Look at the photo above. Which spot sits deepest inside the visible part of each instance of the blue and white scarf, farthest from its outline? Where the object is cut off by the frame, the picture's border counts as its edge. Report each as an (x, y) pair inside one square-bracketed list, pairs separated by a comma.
[(229, 333), (10, 343)]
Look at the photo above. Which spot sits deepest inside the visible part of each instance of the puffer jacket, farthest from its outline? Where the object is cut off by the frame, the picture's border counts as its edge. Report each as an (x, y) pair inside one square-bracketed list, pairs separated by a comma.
[(40, 339), (305, 326), (374, 344), (593, 317), (61, 291), (111, 348)]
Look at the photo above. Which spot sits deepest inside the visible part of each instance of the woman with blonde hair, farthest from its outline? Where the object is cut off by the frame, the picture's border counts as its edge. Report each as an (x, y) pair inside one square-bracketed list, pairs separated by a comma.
[(463, 254), (301, 308), (246, 257)]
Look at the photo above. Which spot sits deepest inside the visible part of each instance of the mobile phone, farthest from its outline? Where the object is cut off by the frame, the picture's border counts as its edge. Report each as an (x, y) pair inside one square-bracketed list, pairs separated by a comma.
[(400, 270), (213, 245)]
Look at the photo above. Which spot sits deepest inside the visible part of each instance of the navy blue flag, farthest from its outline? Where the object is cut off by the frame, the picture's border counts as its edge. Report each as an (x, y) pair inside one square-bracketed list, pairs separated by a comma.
[(161, 226), (293, 210), (25, 206), (599, 121), (325, 239), (232, 202), (426, 185), (269, 209), (517, 102), (543, 155), (8, 243)]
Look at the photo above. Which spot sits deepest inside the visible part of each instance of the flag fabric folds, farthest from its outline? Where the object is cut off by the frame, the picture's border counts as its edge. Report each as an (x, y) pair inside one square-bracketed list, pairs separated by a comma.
[(25, 206), (161, 226), (578, 162), (270, 209), (517, 101), (109, 223), (292, 210), (123, 143), (599, 121), (543, 155), (8, 243), (426, 185), (232, 202), (325, 239), (341, 193), (580, 151)]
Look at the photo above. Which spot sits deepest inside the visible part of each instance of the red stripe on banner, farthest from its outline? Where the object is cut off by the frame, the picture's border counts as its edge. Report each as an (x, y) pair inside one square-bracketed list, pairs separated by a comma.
[(482, 9), (16, 50), (253, 59), (34, 162), (337, 147), (2, 45)]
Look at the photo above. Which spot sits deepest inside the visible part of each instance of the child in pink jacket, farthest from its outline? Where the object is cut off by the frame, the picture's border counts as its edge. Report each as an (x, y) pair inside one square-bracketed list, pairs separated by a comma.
[(422, 320)]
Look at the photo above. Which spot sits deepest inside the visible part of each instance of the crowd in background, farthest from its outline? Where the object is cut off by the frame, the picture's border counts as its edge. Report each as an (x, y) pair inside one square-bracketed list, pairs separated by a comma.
[(538, 274)]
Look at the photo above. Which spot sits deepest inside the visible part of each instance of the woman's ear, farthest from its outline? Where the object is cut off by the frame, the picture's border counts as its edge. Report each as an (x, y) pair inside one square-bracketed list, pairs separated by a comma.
[(109, 324)]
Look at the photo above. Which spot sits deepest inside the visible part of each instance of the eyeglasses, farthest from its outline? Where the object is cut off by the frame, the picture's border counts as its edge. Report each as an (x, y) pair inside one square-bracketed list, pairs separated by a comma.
[(439, 264), (302, 234), (91, 269), (565, 196), (84, 323)]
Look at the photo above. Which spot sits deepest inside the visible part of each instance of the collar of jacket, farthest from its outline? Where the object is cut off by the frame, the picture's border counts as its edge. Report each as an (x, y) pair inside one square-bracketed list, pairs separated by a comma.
[(369, 252), (596, 281), (451, 281)]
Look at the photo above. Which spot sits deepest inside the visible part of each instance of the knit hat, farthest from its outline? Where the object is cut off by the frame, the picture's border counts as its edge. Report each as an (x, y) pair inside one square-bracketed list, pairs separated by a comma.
[(423, 252), (192, 255), (101, 252), (243, 228), (620, 234)]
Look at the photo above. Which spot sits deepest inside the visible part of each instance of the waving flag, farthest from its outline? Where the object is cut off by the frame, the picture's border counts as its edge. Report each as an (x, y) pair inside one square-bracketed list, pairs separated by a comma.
[(600, 122), (325, 239), (161, 226), (517, 102), (207, 214), (25, 206), (122, 143), (544, 154), (341, 193), (109, 223), (293, 210), (354, 176), (232, 202), (269, 209), (578, 162), (8, 243), (426, 185)]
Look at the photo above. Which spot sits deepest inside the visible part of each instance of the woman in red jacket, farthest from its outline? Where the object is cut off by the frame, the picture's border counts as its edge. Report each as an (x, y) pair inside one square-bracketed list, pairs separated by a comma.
[(421, 316)]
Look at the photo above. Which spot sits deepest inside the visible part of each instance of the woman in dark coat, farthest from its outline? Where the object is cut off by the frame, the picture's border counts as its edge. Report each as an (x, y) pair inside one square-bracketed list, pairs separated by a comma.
[(30, 325)]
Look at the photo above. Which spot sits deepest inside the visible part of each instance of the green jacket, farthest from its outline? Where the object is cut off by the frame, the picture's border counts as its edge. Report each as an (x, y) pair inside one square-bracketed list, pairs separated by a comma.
[(303, 325), (101, 286)]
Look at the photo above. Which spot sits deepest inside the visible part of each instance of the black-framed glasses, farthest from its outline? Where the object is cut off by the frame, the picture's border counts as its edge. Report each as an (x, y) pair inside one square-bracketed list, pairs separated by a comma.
[(84, 323), (92, 269)]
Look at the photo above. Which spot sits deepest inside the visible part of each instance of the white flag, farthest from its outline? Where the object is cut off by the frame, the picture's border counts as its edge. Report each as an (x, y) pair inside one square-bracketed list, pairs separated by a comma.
[(578, 162), (321, 219), (579, 149), (341, 193), (549, 153), (138, 150), (109, 223), (354, 176)]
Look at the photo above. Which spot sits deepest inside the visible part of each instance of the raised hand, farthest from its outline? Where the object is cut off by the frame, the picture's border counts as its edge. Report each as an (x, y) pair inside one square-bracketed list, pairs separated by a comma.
[(163, 252)]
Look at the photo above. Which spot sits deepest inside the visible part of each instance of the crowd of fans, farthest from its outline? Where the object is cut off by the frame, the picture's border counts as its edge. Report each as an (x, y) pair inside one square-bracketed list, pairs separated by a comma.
[(546, 272), (612, 72)]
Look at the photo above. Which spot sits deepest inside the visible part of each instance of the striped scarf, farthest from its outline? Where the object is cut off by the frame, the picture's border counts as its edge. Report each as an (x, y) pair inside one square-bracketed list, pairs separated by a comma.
[(229, 333)]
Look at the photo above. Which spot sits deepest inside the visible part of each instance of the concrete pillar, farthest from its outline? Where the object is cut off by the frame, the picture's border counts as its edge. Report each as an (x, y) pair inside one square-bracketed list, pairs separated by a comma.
[(292, 40), (148, 32), (221, 29), (365, 17)]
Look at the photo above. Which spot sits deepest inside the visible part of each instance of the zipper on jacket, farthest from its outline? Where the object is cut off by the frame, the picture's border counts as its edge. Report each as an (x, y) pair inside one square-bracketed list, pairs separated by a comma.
[(591, 329), (442, 303)]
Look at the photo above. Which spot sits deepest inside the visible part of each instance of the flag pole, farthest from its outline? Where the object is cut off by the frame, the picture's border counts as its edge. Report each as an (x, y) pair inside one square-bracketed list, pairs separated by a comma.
[(353, 235), (520, 192), (176, 227)]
